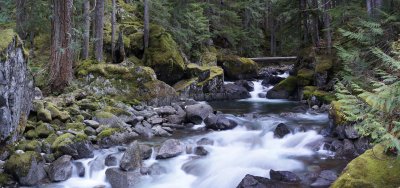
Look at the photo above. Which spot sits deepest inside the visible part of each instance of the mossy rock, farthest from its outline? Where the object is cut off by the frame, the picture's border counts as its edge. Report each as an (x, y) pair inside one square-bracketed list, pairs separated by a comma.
[(323, 96), (164, 57), (103, 115), (7, 36), (324, 63), (44, 115), (30, 145), (56, 113), (284, 89), (337, 114), (107, 133), (75, 126), (43, 130), (371, 169), (117, 111), (31, 134), (305, 77), (209, 57), (238, 68), (20, 164), (4, 179)]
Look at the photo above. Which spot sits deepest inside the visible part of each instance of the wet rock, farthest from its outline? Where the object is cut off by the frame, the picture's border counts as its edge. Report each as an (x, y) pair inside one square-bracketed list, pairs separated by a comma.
[(37, 94), (111, 160), (170, 148), (165, 110), (284, 176), (176, 119), (198, 112), (146, 151), (220, 122), (271, 80), (61, 169), (233, 91), (84, 150), (362, 145), (80, 169), (201, 151), (351, 133), (281, 130), (154, 170), (135, 120), (250, 181), (262, 95), (347, 150), (120, 178), (27, 168), (132, 158), (144, 130), (325, 179), (90, 131), (92, 123), (205, 141), (155, 120), (159, 131), (246, 84)]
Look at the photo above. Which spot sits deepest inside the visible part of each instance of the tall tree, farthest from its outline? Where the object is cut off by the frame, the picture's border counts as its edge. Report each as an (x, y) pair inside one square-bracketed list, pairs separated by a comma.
[(113, 22), (99, 32), (61, 59), (146, 32), (86, 29), (327, 25), (21, 6)]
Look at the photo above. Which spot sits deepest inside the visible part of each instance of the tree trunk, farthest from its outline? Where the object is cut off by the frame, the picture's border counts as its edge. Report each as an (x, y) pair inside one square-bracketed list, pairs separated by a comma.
[(113, 20), (273, 37), (99, 33), (61, 58), (120, 49), (21, 18), (146, 33), (327, 24), (86, 29)]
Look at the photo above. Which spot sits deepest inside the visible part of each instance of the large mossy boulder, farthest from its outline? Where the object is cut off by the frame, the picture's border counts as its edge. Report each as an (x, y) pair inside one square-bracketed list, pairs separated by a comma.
[(27, 168), (164, 57), (78, 146), (337, 114), (372, 169), (238, 68), (16, 87), (285, 89), (312, 91)]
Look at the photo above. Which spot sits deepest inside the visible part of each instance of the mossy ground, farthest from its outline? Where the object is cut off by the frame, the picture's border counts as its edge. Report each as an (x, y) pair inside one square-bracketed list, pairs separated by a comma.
[(371, 169), (323, 96), (7, 35)]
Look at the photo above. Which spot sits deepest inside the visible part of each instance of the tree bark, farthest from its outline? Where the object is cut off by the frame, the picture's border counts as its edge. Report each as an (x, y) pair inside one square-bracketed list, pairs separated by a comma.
[(113, 20), (327, 24), (146, 33), (21, 18), (61, 59), (99, 33), (86, 29)]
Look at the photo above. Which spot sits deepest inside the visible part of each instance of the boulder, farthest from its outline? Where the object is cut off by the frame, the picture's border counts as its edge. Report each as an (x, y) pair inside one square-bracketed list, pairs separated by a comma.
[(60, 169), (144, 130), (159, 131), (351, 133), (16, 87), (132, 158), (155, 120), (80, 169), (111, 160), (92, 123), (146, 151), (119, 178), (220, 122), (27, 168), (284, 89), (362, 145), (238, 68), (325, 179), (200, 150), (154, 170), (76, 146), (165, 110), (170, 148), (347, 150), (284, 176), (233, 91), (246, 84), (198, 112), (281, 130), (250, 181)]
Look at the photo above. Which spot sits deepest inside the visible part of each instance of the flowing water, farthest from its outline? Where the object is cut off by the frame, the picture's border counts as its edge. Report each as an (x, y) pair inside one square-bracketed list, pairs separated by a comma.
[(250, 148)]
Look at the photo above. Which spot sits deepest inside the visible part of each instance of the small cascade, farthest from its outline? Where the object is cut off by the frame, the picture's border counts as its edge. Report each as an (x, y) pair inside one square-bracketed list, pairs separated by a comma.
[(284, 75)]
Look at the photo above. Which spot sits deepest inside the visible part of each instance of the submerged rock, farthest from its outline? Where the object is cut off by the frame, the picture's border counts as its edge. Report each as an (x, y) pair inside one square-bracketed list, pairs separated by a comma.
[(281, 130), (60, 169), (170, 148)]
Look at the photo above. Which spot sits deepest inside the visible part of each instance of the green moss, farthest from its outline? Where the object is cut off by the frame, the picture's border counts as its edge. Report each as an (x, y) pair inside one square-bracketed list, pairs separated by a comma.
[(4, 179), (107, 132), (323, 96), (183, 84), (116, 111), (163, 56), (19, 164), (308, 91), (323, 64), (209, 57), (75, 126), (51, 138), (81, 137), (337, 113), (7, 35), (32, 145), (31, 134), (371, 169), (62, 140), (44, 130), (44, 115), (237, 67), (289, 84), (135, 60), (103, 115), (305, 76), (215, 72)]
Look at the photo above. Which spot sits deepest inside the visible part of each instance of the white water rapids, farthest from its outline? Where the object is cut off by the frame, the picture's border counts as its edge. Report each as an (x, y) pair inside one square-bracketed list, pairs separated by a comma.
[(250, 148)]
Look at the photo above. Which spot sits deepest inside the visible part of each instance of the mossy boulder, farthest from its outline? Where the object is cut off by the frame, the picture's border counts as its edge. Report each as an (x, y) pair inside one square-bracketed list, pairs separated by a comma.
[(371, 169), (322, 96), (44, 115), (305, 77), (76, 126), (209, 57), (30, 145), (43, 130), (286, 88), (7, 36), (164, 57), (4, 179), (337, 113), (78, 146), (238, 68), (324, 63), (31, 134), (56, 113), (27, 168), (158, 93)]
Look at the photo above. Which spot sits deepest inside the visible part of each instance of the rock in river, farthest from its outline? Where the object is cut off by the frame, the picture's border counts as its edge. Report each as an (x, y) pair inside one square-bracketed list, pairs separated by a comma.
[(170, 148)]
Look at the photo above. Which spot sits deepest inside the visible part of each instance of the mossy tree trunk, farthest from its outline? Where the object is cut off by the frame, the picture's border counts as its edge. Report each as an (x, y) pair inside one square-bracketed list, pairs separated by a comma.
[(146, 33), (86, 29), (61, 59), (99, 30)]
